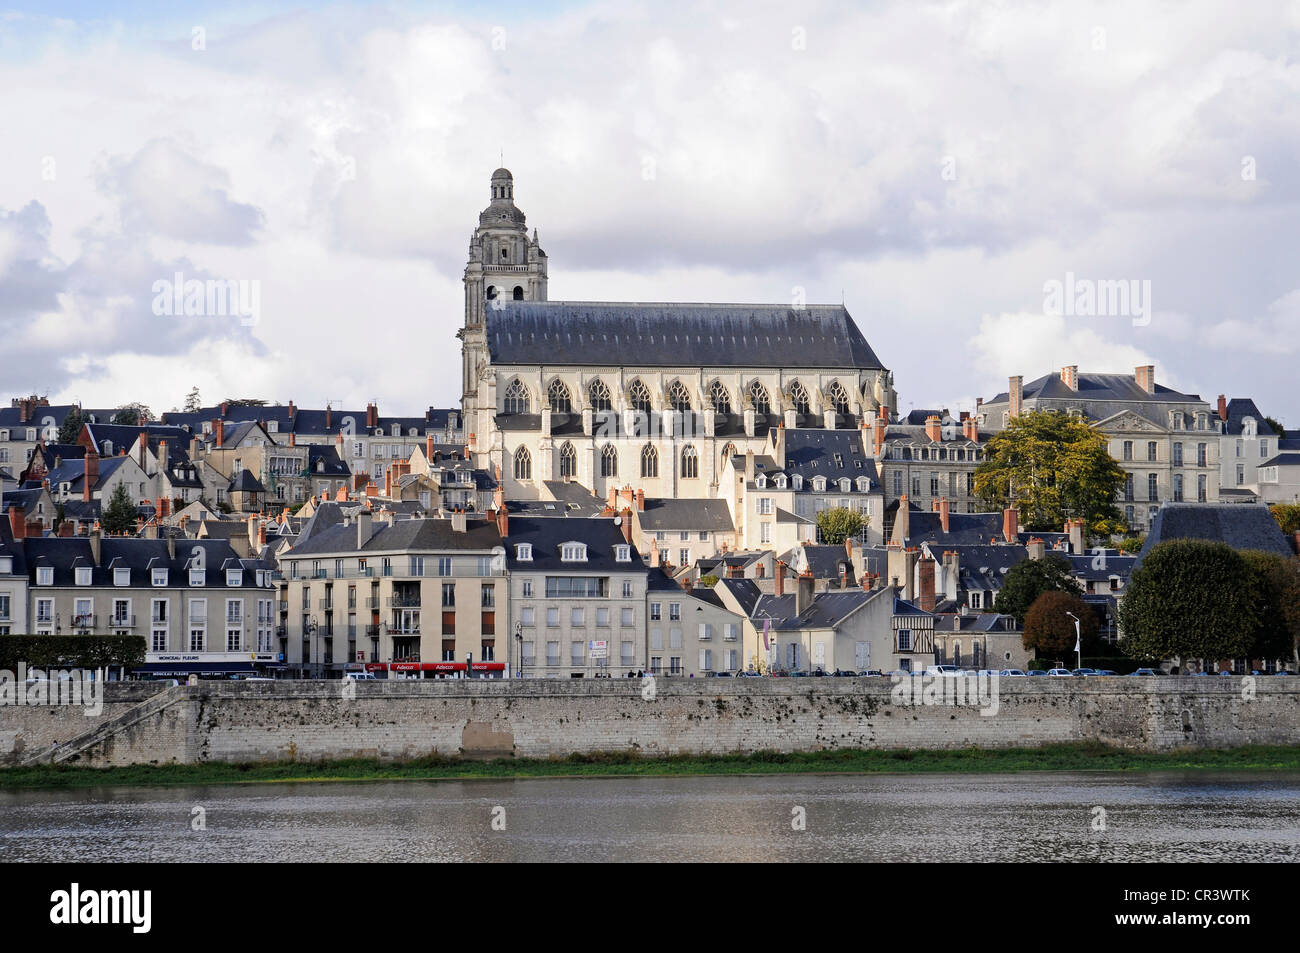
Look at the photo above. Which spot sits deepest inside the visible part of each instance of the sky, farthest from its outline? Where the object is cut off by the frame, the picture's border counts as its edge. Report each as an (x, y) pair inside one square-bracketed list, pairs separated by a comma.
[(962, 176)]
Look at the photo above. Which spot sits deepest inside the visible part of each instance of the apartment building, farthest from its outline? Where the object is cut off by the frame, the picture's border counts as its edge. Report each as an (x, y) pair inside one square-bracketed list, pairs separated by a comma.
[(415, 598), (690, 633)]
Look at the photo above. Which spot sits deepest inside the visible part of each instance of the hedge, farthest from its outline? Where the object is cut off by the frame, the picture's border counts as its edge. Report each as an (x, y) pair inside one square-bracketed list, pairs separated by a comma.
[(70, 651)]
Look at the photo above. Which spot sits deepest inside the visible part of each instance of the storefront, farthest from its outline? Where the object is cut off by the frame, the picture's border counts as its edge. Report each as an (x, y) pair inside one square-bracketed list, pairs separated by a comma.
[(210, 665), (435, 669)]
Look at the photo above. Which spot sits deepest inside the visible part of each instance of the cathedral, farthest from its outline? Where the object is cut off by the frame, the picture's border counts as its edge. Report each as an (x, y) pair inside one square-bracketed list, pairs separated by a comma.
[(656, 396)]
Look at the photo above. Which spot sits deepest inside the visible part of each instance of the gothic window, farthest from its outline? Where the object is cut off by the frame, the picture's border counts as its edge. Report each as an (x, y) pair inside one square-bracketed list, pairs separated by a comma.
[(839, 398), (598, 394), (609, 461), (517, 401), (758, 395), (679, 398), (728, 452), (721, 399), (799, 398), (519, 293), (639, 396), (649, 461), (568, 461), (558, 393), (523, 464), (690, 463)]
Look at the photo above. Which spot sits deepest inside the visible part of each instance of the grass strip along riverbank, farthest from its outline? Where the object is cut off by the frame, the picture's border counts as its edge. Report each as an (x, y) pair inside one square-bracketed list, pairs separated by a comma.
[(1062, 757)]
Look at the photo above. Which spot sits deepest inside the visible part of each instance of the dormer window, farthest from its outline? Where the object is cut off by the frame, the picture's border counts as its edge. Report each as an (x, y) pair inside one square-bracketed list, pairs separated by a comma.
[(863, 484), (573, 552), (121, 577), (6, 565), (845, 485), (234, 578), (819, 484), (159, 577), (44, 575), (761, 482), (524, 552), (781, 482), (83, 575), (197, 577), (797, 481), (623, 553)]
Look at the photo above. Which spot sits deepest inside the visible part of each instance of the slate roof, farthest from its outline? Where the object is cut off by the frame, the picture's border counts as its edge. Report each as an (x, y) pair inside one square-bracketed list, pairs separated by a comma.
[(1096, 387), (123, 436), (812, 453), (694, 515), (245, 482), (964, 529), (673, 334), (1116, 564), (138, 555), (1240, 408), (980, 567), (547, 535), (1240, 525), (824, 560), (73, 472), (415, 535), (827, 610)]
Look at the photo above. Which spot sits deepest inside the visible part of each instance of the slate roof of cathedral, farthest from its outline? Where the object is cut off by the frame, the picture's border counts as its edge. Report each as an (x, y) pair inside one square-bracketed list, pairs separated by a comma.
[(671, 334)]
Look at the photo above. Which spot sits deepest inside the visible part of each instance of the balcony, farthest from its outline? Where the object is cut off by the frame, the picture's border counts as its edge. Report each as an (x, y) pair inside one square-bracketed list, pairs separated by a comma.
[(408, 601), (372, 631), (326, 604), (409, 629), (121, 622), (372, 602), (86, 621)]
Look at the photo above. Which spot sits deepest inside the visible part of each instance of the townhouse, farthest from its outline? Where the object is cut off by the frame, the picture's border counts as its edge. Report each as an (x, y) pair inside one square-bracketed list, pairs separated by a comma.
[(690, 632)]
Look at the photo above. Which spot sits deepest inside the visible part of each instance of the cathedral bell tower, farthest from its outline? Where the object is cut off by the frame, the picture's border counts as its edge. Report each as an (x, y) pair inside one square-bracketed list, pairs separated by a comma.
[(504, 265)]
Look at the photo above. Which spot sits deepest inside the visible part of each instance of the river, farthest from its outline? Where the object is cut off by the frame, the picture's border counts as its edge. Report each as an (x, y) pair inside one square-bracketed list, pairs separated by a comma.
[(1057, 816)]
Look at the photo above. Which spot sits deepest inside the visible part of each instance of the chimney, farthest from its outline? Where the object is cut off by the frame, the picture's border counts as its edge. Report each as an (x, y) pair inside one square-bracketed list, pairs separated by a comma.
[(1223, 407), (932, 428), (1037, 548), (342, 495), (329, 417), (902, 521), (293, 439), (951, 574), (428, 448), (878, 432), (458, 521), (1075, 528), (372, 415), (749, 465), (654, 556), (925, 584), (1145, 375), (171, 546), (803, 592), (292, 411), (1070, 376), (503, 521), (626, 523), (943, 513), (1015, 394), (780, 578), (261, 536), (388, 482), (844, 575), (365, 527), (640, 500), (688, 584), (164, 458), (94, 544), (225, 407), (612, 498), (219, 426), (18, 522), (66, 529), (1010, 524), (91, 476)]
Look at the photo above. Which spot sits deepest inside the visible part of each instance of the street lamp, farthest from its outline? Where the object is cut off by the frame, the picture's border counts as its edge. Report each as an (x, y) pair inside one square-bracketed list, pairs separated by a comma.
[(1078, 640), (519, 638)]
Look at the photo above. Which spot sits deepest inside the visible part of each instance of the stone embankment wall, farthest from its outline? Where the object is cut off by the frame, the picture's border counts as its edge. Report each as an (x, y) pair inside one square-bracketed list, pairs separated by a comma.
[(258, 721)]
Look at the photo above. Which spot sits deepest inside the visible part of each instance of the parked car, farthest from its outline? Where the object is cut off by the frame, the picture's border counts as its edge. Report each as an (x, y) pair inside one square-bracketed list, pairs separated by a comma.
[(1084, 672), (900, 673), (1104, 671), (722, 675), (844, 673), (1282, 671), (1225, 672), (873, 673), (749, 675), (1036, 672), (943, 670), (989, 671), (1147, 672), (1060, 673), (1012, 672), (361, 676)]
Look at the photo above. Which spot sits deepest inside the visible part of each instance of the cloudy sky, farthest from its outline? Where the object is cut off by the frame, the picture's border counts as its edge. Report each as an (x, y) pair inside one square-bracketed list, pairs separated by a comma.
[(934, 166)]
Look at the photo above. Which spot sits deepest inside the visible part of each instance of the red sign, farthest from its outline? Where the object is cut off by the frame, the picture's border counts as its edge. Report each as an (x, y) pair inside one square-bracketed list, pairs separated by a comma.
[(433, 666)]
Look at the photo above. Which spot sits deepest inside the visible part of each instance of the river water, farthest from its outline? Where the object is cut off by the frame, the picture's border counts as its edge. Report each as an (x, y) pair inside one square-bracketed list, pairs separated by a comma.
[(1054, 816)]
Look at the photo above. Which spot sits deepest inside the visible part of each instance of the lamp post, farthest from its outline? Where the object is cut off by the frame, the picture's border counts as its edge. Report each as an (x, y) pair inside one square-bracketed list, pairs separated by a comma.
[(312, 626), (519, 639), (1078, 640)]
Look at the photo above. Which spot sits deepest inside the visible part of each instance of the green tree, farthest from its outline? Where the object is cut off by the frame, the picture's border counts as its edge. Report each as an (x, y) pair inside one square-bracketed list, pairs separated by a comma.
[(1029, 579), (132, 415), (1277, 584), (119, 515), (1191, 598), (839, 524), (193, 402), (71, 427), (708, 581), (1052, 467), (1131, 544), (1277, 428), (1049, 630), (1287, 516)]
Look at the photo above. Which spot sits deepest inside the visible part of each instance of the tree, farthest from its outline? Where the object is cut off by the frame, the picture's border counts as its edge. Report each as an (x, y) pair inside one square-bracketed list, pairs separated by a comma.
[(119, 515), (132, 415), (1029, 579), (70, 430), (1277, 583), (1190, 598), (1287, 516), (1049, 630), (193, 403), (1277, 428), (839, 524), (1131, 544), (1052, 467), (245, 402), (708, 581)]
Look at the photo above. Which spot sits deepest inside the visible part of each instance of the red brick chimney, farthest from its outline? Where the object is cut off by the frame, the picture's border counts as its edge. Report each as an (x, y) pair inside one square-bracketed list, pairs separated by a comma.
[(878, 434), (933, 429), (1070, 376), (428, 448), (612, 499), (626, 524), (66, 529), (219, 426), (925, 584), (1015, 395), (503, 522), (640, 500), (1145, 375), (261, 534), (1223, 407), (18, 522), (780, 577), (943, 513), (91, 477), (372, 415), (1010, 524), (292, 411), (225, 408), (329, 417)]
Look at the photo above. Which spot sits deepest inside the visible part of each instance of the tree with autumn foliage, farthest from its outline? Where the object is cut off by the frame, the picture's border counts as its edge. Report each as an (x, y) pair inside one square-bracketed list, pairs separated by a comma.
[(1052, 467)]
